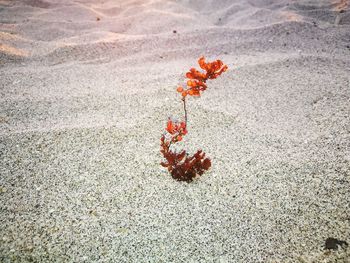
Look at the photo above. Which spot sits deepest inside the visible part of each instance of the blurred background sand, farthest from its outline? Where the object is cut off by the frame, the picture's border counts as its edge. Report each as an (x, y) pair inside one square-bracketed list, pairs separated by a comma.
[(86, 88)]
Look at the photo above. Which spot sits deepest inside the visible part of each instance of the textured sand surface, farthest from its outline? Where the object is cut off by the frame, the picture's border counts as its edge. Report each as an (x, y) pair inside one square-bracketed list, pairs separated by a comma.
[(86, 88)]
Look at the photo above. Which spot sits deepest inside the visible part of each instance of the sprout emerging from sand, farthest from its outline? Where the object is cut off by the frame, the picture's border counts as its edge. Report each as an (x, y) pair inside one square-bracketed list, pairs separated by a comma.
[(181, 166)]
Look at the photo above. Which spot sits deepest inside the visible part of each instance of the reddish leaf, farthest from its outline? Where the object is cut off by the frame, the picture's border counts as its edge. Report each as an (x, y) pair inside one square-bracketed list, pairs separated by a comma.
[(206, 164), (164, 164)]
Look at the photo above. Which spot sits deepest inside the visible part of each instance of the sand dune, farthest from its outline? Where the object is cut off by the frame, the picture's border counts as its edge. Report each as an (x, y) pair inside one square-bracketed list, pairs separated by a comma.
[(86, 88)]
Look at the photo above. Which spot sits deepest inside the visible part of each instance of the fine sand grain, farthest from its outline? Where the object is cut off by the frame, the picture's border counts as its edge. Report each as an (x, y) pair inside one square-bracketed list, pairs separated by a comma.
[(86, 88)]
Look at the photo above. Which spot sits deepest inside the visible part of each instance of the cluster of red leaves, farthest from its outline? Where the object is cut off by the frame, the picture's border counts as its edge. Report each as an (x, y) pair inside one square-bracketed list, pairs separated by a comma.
[(176, 129), (180, 165), (196, 79)]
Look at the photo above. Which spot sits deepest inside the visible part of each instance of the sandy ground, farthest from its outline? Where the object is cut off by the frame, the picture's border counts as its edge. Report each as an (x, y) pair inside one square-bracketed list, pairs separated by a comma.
[(86, 88)]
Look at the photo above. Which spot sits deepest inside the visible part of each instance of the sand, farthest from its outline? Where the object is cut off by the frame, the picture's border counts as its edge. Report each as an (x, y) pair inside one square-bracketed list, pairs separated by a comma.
[(86, 88)]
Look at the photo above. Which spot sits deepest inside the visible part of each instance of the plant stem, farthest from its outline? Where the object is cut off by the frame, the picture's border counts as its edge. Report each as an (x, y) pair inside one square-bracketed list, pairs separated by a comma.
[(184, 102)]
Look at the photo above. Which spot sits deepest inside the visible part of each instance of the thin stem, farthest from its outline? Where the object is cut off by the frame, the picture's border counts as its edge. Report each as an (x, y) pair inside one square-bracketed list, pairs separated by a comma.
[(185, 110)]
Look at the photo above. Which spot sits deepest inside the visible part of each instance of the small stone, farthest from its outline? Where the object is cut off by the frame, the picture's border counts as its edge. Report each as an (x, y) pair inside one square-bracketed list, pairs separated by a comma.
[(93, 212), (122, 230), (333, 243)]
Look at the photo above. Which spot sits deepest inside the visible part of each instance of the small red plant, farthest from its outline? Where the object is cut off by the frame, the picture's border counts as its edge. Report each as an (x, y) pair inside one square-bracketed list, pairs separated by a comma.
[(181, 166)]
